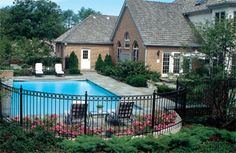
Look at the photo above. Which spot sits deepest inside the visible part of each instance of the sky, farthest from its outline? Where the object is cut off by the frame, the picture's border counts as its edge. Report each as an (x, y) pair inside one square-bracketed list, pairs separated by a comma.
[(107, 7)]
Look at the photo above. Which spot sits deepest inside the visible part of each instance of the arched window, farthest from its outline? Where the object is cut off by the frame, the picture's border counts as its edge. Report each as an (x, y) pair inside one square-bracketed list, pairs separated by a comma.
[(135, 51), (126, 40), (118, 50)]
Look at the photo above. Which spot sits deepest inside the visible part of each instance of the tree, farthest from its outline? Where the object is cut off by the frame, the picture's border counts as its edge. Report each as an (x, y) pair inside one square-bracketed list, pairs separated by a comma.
[(30, 18), (99, 63), (69, 19), (107, 60), (84, 13), (73, 63), (216, 79)]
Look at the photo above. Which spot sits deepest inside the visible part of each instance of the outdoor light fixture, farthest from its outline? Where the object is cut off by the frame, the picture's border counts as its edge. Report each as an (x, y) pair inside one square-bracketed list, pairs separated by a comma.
[(158, 56), (158, 53)]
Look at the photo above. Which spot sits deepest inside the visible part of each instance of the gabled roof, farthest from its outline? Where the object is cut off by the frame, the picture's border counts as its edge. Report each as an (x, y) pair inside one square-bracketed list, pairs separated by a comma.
[(95, 29), (189, 6), (161, 24)]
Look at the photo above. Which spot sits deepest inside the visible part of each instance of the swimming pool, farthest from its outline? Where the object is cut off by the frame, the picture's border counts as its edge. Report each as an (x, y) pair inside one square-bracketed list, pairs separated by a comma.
[(51, 104)]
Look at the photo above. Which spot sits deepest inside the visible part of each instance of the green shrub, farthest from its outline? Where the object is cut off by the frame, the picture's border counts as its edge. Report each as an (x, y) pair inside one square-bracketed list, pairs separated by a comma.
[(99, 63), (108, 60), (83, 144), (154, 76), (137, 80), (147, 144), (118, 145), (74, 71), (130, 68), (73, 64), (14, 139), (107, 71), (22, 72), (164, 89)]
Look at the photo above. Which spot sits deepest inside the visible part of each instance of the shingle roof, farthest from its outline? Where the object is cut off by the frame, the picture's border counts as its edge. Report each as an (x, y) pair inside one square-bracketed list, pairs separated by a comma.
[(96, 29), (161, 24), (189, 6)]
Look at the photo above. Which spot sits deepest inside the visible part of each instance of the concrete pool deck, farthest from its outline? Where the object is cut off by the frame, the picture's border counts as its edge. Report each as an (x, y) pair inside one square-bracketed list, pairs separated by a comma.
[(117, 87)]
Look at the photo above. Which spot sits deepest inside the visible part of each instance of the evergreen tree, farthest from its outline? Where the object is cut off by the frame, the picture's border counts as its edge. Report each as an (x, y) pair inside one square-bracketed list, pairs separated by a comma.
[(108, 61), (73, 64), (99, 63)]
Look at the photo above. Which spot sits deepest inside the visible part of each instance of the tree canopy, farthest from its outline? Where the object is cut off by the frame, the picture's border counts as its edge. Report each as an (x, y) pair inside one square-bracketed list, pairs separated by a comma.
[(215, 78), (28, 27), (28, 18)]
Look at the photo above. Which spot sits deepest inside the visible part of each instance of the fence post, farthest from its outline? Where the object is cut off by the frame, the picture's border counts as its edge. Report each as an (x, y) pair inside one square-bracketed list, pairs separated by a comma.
[(1, 116), (153, 108), (21, 106), (85, 117), (184, 102), (177, 84)]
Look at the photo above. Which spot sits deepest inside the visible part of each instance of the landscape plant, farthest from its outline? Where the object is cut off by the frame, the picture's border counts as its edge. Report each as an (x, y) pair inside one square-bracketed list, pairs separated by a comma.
[(99, 65), (73, 64), (214, 81)]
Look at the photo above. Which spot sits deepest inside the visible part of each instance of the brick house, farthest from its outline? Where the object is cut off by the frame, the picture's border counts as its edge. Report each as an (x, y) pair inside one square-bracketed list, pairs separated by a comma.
[(152, 32), (87, 39)]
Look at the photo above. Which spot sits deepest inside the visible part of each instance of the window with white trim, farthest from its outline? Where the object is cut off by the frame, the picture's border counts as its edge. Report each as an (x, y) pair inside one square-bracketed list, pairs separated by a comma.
[(219, 16), (171, 63), (176, 63), (135, 51), (118, 50), (166, 63), (126, 40)]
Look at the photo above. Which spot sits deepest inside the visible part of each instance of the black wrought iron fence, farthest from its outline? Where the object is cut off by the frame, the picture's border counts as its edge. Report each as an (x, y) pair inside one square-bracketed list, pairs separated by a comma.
[(74, 115)]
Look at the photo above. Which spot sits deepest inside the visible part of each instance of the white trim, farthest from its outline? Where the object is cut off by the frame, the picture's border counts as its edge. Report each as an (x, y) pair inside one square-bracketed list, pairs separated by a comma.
[(85, 64), (171, 64)]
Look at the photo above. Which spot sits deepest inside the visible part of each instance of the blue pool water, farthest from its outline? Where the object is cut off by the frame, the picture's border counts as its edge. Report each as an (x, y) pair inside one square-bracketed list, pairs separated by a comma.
[(36, 105)]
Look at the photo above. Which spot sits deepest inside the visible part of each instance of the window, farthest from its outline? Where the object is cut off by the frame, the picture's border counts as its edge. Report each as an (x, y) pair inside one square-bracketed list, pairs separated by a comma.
[(171, 63), (176, 63), (118, 50), (85, 54), (234, 19), (127, 40), (135, 51), (219, 16), (166, 63)]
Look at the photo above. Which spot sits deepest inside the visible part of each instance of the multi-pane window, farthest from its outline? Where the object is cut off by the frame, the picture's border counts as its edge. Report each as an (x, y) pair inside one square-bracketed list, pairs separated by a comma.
[(85, 54), (166, 63), (234, 19), (127, 40), (118, 50), (135, 51), (219, 16), (176, 63)]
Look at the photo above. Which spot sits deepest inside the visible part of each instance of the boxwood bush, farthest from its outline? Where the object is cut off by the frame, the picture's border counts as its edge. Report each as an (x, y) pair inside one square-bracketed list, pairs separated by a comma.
[(137, 80), (134, 73), (196, 138), (15, 139)]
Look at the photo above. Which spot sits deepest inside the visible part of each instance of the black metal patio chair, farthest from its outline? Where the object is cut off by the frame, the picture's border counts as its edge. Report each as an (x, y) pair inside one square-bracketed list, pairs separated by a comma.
[(122, 115), (77, 113)]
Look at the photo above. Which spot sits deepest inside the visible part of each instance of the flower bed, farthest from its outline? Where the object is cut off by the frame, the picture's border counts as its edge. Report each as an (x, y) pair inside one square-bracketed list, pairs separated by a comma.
[(141, 125)]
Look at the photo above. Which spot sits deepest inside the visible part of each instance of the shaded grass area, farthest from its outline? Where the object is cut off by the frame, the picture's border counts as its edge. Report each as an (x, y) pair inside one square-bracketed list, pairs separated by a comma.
[(193, 138)]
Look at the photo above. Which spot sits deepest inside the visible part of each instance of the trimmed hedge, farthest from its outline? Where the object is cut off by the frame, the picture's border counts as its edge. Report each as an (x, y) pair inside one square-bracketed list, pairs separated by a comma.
[(194, 139)]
